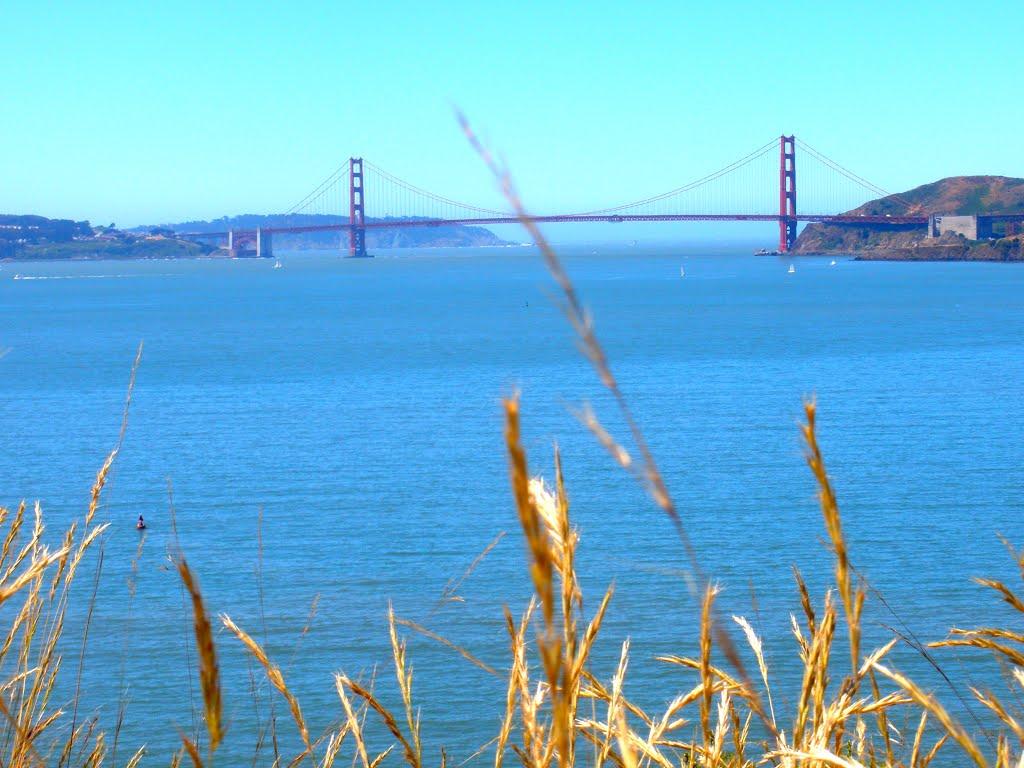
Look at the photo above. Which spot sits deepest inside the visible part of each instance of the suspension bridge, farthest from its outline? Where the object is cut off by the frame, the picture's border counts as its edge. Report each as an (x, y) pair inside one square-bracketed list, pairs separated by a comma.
[(760, 186)]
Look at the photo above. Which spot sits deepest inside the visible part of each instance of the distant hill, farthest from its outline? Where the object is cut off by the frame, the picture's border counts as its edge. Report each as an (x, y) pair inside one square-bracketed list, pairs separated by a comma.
[(37, 237), (961, 195), (956, 195), (398, 237), (115, 248)]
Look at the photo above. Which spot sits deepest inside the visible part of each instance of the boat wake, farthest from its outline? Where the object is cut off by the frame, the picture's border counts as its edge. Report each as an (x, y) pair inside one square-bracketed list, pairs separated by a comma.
[(86, 277)]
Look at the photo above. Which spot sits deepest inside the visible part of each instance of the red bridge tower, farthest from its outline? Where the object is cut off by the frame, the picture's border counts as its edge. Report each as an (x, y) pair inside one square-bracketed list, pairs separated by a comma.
[(787, 192), (356, 210)]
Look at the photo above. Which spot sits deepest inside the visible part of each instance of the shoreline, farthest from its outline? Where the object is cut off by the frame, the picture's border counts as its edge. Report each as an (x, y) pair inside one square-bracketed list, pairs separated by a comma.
[(212, 257), (930, 255)]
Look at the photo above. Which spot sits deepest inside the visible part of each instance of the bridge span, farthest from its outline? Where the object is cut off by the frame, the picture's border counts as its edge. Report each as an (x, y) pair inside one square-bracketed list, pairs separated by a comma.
[(760, 187)]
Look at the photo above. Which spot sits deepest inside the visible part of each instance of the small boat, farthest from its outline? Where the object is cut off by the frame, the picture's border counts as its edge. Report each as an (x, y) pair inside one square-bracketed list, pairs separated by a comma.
[(17, 277), (832, 263), (277, 264), (682, 272), (141, 524), (791, 269)]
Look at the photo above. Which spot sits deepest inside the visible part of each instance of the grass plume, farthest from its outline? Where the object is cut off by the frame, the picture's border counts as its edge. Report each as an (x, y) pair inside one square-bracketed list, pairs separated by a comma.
[(209, 671)]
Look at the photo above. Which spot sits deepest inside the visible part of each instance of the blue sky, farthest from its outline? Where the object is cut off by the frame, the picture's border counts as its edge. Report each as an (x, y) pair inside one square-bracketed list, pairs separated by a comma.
[(143, 112)]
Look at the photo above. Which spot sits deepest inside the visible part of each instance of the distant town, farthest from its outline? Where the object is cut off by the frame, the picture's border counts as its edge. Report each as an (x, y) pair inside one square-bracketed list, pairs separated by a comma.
[(37, 237)]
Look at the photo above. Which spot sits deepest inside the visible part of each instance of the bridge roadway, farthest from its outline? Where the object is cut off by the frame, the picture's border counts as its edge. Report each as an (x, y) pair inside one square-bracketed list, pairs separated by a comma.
[(578, 218)]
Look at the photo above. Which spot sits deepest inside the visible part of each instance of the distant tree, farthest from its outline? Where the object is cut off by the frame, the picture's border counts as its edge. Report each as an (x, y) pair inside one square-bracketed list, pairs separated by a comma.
[(60, 230)]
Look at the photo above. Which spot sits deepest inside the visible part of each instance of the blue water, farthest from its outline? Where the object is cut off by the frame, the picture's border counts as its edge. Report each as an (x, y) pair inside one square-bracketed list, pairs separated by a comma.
[(350, 411)]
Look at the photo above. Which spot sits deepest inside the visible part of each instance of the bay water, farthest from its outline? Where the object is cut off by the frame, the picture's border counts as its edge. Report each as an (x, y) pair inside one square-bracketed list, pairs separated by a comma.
[(329, 438)]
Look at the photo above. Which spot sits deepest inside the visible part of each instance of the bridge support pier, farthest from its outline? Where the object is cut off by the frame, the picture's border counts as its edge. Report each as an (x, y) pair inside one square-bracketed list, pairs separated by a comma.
[(356, 210), (246, 244), (787, 193), (357, 243), (264, 244)]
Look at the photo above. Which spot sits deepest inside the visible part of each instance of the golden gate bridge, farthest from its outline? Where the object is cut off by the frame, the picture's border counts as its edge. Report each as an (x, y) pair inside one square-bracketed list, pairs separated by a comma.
[(760, 186)]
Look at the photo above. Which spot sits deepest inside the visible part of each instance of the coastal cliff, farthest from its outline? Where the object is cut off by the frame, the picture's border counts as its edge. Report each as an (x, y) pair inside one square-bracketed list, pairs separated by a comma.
[(957, 195)]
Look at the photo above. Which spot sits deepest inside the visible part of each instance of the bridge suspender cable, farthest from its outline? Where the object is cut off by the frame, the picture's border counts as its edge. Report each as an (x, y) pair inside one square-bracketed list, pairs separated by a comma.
[(432, 196), (757, 153), (873, 188)]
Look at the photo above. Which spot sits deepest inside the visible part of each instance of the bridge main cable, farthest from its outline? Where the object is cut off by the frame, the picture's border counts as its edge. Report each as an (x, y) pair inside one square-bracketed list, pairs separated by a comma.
[(323, 188)]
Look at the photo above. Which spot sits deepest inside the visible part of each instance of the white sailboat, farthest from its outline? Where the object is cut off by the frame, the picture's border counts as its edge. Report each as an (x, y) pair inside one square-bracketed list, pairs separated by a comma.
[(277, 264), (791, 269), (682, 272)]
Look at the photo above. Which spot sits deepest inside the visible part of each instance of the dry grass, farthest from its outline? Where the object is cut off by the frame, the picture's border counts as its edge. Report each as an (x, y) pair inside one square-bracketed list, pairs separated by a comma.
[(209, 671)]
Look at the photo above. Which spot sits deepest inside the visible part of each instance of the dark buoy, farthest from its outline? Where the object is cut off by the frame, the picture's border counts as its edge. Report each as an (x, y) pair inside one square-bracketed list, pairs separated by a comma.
[(141, 525)]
